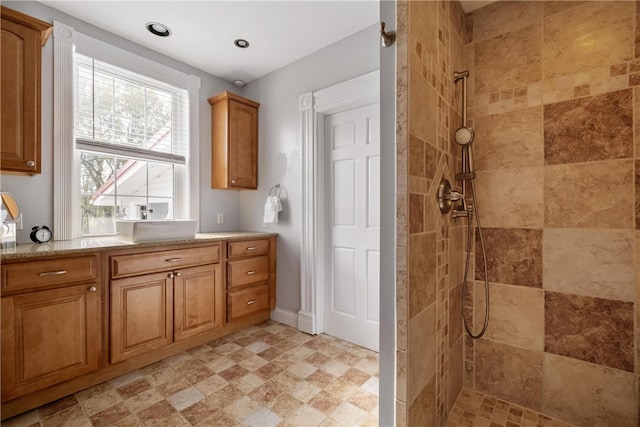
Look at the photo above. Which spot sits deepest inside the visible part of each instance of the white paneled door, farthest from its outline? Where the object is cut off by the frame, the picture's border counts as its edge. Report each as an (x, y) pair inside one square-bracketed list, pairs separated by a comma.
[(352, 224)]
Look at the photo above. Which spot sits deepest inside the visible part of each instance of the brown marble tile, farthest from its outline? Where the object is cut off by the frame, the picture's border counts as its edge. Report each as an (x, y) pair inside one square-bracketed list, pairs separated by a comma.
[(581, 196), (511, 197), (455, 314), (422, 410), (131, 389), (416, 213), (516, 315), (591, 329), (423, 25), (514, 256), (233, 373), (423, 108), (554, 6), (457, 247), (325, 402), (511, 140), (520, 60), (421, 353), (266, 392), (352, 376), (592, 35), (637, 38), (510, 373), (455, 368), (594, 263), (94, 391), (431, 155), (586, 394), (503, 17), (422, 272), (416, 156), (588, 129), (72, 416), (637, 167), (200, 411), (110, 415), (57, 406)]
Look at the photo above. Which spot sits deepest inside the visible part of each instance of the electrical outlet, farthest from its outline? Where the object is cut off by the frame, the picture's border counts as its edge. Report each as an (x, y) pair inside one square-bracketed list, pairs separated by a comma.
[(220, 218)]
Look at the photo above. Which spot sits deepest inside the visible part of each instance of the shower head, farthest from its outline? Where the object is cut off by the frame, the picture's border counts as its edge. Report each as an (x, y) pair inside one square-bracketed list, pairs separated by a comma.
[(464, 135)]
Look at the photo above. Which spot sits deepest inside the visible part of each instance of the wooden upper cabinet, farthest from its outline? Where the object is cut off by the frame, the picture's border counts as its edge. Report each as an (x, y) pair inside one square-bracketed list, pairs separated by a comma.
[(234, 139), (22, 41)]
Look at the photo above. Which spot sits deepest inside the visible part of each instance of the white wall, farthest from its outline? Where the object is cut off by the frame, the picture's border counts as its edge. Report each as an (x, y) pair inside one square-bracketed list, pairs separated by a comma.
[(279, 143), (35, 193)]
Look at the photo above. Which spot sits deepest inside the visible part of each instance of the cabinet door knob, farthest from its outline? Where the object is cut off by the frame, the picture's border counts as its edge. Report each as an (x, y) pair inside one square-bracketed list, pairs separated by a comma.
[(233, 181), (31, 163), (93, 289), (171, 275), (178, 274)]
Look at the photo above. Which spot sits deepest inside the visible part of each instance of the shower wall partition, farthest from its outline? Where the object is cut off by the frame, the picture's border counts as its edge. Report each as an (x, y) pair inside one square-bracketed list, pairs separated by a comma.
[(554, 99), (429, 245)]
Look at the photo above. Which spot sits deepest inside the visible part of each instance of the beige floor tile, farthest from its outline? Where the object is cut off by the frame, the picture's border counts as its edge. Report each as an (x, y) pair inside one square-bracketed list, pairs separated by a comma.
[(268, 374)]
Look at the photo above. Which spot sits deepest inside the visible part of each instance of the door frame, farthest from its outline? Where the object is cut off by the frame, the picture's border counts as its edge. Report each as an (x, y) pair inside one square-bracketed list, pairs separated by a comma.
[(313, 107)]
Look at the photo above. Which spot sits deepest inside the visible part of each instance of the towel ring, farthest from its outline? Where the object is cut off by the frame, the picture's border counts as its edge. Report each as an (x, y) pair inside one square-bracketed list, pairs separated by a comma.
[(276, 192)]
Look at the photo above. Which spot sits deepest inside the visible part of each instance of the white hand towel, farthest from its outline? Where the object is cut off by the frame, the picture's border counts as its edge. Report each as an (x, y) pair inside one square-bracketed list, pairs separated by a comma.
[(271, 208)]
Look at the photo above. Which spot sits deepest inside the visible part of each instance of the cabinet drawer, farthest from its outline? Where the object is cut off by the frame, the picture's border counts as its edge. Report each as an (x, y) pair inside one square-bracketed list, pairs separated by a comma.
[(247, 271), (247, 248), (249, 301), (51, 272), (131, 265)]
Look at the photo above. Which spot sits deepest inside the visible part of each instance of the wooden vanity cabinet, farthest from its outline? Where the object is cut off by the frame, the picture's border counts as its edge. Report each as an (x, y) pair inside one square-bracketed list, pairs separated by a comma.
[(21, 55), (249, 268), (234, 142), (161, 297), (51, 323)]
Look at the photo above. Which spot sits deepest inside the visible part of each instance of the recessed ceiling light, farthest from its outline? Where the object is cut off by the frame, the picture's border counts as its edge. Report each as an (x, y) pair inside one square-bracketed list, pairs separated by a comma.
[(158, 29), (241, 43)]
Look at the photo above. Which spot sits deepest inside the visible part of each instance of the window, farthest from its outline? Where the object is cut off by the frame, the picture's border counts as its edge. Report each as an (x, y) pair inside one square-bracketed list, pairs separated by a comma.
[(131, 140)]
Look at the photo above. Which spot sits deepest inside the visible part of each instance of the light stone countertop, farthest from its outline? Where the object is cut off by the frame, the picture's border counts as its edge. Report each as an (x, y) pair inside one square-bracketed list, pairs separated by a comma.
[(60, 247)]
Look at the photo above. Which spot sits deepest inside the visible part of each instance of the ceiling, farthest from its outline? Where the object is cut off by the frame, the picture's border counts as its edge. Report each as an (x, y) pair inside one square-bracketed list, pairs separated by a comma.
[(279, 32)]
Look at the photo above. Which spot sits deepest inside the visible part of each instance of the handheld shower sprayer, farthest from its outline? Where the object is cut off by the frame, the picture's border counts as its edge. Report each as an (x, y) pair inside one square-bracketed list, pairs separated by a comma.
[(464, 137)]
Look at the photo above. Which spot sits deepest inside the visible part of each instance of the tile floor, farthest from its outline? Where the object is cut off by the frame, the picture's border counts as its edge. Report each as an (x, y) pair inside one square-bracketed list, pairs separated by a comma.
[(266, 375), (475, 409)]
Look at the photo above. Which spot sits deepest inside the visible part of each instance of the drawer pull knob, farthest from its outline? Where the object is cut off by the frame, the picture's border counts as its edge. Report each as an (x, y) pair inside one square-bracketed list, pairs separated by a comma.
[(251, 301), (171, 275), (250, 272), (252, 248), (178, 274), (93, 289), (173, 259), (53, 273)]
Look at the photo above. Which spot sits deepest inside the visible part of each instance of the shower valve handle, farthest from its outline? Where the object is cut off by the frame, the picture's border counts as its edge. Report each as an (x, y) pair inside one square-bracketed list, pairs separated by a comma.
[(454, 196)]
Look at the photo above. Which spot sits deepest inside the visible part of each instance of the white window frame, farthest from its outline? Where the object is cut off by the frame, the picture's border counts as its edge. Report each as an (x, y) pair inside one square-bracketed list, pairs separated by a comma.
[(66, 170)]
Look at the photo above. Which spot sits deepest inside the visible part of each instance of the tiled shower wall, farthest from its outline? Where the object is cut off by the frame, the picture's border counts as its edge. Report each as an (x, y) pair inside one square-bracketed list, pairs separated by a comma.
[(429, 249), (555, 93)]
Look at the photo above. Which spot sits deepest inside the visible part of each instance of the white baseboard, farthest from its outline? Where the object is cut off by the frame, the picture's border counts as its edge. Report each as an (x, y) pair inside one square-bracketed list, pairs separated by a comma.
[(305, 323), (284, 316)]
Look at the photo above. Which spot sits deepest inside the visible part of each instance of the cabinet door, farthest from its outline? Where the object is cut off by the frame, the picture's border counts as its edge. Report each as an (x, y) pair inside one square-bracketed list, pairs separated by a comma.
[(198, 301), (141, 315), (20, 113), (243, 145), (49, 337)]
